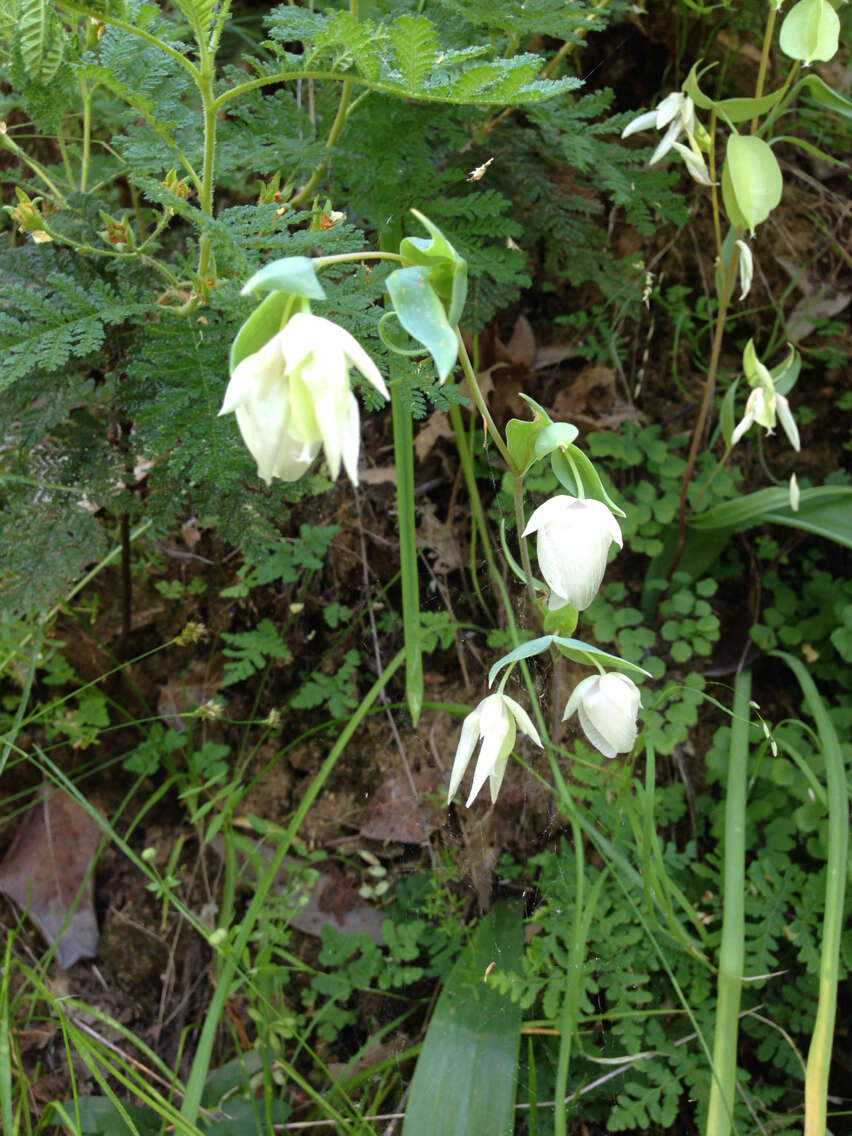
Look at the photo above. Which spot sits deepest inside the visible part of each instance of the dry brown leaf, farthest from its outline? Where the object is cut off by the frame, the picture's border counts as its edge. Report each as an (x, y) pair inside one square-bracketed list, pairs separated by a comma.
[(439, 538), (591, 392), (45, 868), (395, 814), (378, 475), (437, 426)]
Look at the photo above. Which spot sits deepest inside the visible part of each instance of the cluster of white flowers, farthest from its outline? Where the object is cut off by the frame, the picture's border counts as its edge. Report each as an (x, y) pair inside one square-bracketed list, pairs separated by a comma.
[(574, 537)]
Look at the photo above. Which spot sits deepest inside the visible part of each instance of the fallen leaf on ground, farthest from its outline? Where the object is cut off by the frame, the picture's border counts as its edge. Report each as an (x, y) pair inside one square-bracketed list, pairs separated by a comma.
[(44, 870), (395, 814)]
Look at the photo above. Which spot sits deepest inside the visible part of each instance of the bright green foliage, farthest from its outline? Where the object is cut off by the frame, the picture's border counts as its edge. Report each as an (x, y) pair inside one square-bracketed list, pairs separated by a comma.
[(250, 650), (337, 691), (40, 39)]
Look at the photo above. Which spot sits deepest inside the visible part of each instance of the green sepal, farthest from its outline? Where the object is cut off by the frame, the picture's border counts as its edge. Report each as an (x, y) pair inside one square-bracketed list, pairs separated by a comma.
[(422, 314), (264, 322), (590, 482), (522, 436), (294, 274), (751, 181), (561, 620), (447, 270)]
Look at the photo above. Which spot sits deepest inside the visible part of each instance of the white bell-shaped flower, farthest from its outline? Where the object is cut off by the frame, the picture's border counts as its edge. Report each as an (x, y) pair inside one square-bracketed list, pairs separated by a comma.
[(573, 542), (607, 705), (495, 721), (763, 406), (293, 396)]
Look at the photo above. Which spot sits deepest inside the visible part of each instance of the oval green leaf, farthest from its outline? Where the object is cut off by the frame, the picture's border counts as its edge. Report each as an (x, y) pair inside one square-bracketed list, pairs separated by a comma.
[(422, 314), (295, 274), (751, 181), (810, 32)]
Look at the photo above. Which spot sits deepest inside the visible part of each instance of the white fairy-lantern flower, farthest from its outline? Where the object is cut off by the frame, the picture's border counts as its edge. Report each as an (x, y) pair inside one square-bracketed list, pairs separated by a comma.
[(608, 705), (763, 406), (495, 722), (293, 396), (573, 543)]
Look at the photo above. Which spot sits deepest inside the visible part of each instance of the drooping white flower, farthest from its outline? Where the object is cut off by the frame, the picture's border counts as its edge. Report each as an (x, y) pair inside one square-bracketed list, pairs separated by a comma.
[(496, 721), (677, 112), (293, 396), (607, 705), (763, 406), (573, 542)]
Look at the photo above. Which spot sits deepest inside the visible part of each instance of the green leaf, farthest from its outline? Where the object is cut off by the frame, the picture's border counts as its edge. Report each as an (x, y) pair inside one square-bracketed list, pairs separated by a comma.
[(447, 270), (811, 31), (824, 510), (732, 110), (751, 181), (416, 46), (727, 413), (199, 16), (41, 39), (554, 436), (785, 374), (823, 94), (466, 1076), (422, 315), (294, 274), (264, 322), (574, 649)]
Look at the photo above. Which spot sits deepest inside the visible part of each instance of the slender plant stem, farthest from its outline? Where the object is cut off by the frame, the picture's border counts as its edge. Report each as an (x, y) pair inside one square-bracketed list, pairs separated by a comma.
[(720, 1112), (204, 1050), (403, 442), (333, 135), (481, 406)]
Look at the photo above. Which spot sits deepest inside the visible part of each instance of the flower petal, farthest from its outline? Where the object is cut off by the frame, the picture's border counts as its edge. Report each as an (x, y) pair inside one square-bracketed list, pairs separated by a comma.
[(522, 718), (464, 750), (788, 422)]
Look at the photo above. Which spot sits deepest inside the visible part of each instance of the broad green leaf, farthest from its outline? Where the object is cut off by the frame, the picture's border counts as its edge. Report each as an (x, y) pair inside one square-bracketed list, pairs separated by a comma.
[(751, 181), (263, 323), (825, 510), (422, 315), (466, 1076), (741, 110), (522, 651), (447, 270), (294, 274), (41, 39), (811, 31)]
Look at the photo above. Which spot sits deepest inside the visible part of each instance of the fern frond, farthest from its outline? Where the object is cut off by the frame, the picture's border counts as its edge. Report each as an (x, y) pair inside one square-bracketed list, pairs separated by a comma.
[(40, 40)]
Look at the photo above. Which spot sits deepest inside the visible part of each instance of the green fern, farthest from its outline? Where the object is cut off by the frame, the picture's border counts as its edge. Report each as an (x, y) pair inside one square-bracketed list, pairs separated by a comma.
[(40, 39)]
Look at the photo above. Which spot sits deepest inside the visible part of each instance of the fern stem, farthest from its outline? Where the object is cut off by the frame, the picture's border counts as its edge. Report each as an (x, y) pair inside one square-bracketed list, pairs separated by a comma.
[(204, 1051), (837, 793), (720, 1111), (333, 135)]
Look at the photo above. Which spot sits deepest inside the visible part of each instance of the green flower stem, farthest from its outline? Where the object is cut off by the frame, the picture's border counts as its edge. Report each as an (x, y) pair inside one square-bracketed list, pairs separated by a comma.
[(403, 444), (39, 170), (720, 1112), (520, 522), (482, 407), (343, 257), (333, 135), (837, 792), (204, 1051)]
